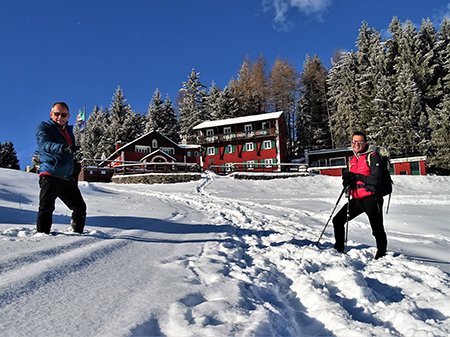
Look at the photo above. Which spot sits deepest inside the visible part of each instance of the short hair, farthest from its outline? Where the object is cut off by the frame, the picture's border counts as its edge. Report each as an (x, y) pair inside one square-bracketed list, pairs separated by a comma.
[(61, 103), (359, 133)]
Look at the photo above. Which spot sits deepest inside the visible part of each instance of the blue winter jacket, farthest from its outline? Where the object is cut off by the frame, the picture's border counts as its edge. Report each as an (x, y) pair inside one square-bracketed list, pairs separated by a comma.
[(50, 142)]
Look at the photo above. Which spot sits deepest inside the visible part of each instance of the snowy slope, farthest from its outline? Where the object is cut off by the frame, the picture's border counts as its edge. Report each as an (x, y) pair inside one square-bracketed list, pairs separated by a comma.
[(223, 257)]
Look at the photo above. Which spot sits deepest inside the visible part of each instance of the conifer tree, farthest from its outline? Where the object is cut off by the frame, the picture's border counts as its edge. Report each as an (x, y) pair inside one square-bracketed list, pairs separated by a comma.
[(313, 106), (369, 69), (172, 127), (8, 156), (284, 90), (161, 117), (95, 143), (222, 104), (122, 122), (440, 117), (193, 107), (242, 91), (343, 99), (155, 118), (251, 89)]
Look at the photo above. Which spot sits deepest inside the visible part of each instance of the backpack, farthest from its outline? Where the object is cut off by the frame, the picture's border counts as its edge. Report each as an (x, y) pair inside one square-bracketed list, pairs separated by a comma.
[(386, 183)]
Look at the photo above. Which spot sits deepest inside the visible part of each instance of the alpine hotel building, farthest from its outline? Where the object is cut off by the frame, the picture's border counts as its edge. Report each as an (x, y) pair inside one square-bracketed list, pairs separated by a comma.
[(251, 142)]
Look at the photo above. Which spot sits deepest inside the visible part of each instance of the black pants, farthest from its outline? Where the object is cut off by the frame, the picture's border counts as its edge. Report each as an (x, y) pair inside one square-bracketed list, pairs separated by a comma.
[(68, 192), (373, 207)]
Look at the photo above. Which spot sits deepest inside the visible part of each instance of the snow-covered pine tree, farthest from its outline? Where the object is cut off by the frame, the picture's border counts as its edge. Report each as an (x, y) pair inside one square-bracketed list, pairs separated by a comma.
[(155, 118), (368, 49), (95, 143), (161, 117), (343, 99), (192, 108), (404, 137), (440, 117), (122, 122), (35, 161), (213, 102), (8, 156), (172, 127)]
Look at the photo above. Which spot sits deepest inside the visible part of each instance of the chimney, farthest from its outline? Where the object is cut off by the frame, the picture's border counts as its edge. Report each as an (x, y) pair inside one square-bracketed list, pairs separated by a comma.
[(118, 145)]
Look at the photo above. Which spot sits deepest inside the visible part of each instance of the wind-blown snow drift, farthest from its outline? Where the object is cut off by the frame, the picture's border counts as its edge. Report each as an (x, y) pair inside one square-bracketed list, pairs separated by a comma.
[(223, 257)]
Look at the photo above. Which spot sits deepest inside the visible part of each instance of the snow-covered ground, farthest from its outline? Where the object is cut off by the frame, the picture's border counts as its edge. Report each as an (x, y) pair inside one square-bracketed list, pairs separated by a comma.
[(223, 257)]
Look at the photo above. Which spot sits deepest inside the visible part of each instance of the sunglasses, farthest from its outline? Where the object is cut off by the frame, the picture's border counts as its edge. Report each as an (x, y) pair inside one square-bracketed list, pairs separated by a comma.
[(60, 114)]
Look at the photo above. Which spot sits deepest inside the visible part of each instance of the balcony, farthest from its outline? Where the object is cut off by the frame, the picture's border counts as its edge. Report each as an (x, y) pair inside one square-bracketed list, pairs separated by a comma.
[(227, 137)]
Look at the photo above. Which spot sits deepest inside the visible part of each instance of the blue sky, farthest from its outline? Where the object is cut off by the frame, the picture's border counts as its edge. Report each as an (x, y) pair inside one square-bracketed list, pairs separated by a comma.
[(81, 51)]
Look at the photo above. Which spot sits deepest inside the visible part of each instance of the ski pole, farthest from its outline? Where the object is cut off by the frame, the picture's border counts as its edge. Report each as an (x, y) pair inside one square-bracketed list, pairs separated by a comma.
[(339, 199), (348, 216)]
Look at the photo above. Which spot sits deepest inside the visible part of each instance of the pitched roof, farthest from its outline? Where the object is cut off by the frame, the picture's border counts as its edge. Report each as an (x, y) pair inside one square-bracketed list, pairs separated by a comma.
[(155, 152), (239, 120), (115, 153)]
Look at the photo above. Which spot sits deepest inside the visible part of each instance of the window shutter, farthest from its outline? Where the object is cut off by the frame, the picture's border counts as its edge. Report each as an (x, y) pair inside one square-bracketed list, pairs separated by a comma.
[(216, 150), (273, 144)]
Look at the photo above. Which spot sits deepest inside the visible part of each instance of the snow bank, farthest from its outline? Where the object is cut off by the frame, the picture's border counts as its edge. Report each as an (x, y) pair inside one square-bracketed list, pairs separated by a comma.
[(223, 257)]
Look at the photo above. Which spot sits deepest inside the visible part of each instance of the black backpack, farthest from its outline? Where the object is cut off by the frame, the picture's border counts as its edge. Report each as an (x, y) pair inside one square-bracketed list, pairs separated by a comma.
[(385, 187)]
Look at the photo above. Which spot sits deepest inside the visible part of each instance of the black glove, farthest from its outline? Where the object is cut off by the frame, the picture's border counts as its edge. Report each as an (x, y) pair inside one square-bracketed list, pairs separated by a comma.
[(348, 179), (71, 149)]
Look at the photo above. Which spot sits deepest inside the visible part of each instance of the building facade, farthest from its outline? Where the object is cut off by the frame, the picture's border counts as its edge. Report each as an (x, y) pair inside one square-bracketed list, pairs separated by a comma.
[(155, 147), (333, 162), (252, 143)]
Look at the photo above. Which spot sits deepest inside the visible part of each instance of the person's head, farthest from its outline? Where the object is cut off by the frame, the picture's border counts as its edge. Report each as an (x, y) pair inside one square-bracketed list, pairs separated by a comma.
[(60, 113), (359, 141)]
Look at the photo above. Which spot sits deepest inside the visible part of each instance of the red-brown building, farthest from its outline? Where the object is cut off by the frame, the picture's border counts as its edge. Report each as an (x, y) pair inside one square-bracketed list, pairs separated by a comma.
[(333, 162), (253, 142), (154, 147)]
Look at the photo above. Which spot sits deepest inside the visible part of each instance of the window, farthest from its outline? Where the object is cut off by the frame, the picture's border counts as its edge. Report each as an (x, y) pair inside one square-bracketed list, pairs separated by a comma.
[(169, 150), (229, 149), (189, 154), (248, 127), (211, 151), (337, 161), (319, 163), (154, 144), (268, 162), (229, 167), (249, 165), (142, 149), (415, 169), (209, 132), (267, 144), (227, 130), (265, 125), (248, 146)]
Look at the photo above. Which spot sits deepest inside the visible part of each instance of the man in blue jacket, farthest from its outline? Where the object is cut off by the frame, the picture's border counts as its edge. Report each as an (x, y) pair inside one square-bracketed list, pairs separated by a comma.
[(58, 170)]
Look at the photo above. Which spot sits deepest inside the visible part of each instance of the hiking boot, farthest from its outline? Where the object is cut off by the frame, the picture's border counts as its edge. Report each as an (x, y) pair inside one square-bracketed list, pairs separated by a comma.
[(379, 254), (339, 247)]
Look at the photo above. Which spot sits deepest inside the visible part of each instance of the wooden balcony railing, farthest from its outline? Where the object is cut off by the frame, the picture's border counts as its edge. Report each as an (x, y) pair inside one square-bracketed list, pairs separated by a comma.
[(226, 137)]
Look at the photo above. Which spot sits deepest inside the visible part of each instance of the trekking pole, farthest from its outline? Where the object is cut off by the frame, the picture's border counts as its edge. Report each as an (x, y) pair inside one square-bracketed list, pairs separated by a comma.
[(348, 216), (339, 199)]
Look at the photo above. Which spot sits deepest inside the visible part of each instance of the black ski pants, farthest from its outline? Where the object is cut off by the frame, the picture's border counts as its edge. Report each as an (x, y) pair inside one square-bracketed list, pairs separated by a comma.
[(373, 207), (69, 193)]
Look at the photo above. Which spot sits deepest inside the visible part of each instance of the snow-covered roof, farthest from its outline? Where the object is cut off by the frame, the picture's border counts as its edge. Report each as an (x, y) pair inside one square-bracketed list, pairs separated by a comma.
[(239, 120), (189, 146)]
